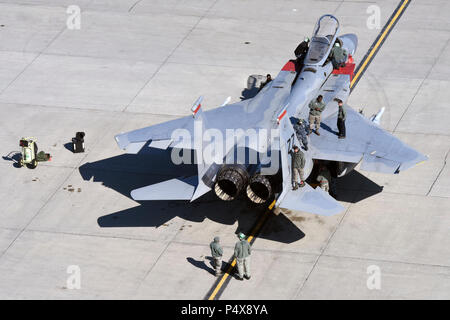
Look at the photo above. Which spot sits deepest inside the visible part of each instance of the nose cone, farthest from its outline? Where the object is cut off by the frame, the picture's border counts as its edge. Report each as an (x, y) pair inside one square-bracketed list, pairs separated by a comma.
[(349, 42)]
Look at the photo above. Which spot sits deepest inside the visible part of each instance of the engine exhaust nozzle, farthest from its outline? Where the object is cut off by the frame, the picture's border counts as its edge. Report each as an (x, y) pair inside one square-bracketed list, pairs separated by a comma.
[(259, 189), (230, 182)]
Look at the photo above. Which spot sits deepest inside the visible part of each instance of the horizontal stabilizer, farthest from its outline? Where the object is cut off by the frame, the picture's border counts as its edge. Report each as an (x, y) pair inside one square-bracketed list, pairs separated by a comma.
[(174, 189), (311, 200), (136, 147), (160, 144)]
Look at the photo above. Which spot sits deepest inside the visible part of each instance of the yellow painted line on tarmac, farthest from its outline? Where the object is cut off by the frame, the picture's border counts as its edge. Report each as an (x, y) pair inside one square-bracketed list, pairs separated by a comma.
[(379, 42), (249, 239)]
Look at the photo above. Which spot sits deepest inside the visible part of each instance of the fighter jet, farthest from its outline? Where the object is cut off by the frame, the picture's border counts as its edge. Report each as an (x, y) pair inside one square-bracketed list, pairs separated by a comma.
[(243, 149)]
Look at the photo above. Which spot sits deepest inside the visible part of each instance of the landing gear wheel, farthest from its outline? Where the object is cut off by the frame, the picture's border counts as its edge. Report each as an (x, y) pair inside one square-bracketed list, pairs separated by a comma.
[(33, 164), (20, 162)]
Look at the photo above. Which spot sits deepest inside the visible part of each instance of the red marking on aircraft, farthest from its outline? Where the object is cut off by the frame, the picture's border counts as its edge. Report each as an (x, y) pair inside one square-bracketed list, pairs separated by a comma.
[(348, 69), (198, 108), (281, 115), (289, 66)]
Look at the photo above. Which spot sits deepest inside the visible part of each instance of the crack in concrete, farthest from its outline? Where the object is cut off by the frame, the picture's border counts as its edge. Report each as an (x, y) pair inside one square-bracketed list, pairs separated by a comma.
[(439, 174), (421, 84), (169, 56), (134, 5), (32, 61)]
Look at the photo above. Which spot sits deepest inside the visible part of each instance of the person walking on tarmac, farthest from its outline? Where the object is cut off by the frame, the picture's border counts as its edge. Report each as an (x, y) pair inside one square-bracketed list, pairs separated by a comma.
[(242, 252), (217, 252), (316, 107)]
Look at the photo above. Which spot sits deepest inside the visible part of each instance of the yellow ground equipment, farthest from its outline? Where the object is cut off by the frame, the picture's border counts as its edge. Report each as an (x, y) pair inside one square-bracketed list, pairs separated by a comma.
[(29, 152)]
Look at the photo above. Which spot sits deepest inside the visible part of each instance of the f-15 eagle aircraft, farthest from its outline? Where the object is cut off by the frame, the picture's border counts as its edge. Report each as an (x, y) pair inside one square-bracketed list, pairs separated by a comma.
[(229, 169)]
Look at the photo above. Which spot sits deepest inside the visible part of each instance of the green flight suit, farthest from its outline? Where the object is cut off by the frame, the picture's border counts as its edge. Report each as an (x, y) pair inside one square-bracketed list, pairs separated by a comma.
[(315, 112), (242, 251), (297, 164), (338, 56), (216, 252)]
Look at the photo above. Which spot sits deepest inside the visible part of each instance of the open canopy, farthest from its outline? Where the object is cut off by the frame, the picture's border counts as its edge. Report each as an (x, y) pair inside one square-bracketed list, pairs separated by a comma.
[(322, 40)]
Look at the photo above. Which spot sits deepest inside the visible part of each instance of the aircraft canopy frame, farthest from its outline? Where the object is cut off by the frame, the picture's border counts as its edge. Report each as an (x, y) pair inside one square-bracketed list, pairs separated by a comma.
[(322, 40)]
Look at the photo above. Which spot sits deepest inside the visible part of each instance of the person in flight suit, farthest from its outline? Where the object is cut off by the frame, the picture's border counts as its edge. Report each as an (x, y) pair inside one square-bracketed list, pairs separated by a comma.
[(297, 164), (242, 252), (338, 56), (263, 84), (342, 114), (217, 252), (316, 107), (302, 48)]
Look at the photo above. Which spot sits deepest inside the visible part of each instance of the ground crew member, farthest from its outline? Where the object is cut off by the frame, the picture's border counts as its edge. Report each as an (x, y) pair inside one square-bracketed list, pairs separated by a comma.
[(324, 178), (217, 252), (301, 132), (298, 164), (315, 111), (302, 48), (268, 79), (242, 252), (338, 56), (342, 114)]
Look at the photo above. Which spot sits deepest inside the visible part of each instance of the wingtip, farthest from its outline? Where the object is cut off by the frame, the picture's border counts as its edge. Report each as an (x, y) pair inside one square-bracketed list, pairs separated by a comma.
[(121, 140)]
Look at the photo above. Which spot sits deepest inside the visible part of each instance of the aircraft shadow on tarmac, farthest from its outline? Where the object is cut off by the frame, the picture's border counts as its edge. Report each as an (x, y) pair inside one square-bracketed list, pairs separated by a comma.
[(126, 172), (355, 187)]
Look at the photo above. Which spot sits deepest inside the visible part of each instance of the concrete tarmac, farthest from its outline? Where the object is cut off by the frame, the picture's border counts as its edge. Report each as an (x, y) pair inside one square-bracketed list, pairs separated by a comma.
[(136, 63)]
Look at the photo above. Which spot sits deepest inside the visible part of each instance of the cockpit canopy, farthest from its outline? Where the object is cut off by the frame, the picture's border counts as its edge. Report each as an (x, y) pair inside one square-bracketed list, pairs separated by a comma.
[(322, 40)]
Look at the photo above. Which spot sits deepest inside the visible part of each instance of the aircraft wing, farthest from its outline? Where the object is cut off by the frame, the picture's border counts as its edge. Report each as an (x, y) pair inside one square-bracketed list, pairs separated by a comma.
[(230, 116), (379, 150), (174, 189)]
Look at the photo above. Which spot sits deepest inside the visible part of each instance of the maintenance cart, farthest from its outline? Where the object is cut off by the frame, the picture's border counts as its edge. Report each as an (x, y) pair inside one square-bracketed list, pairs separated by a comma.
[(30, 156)]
